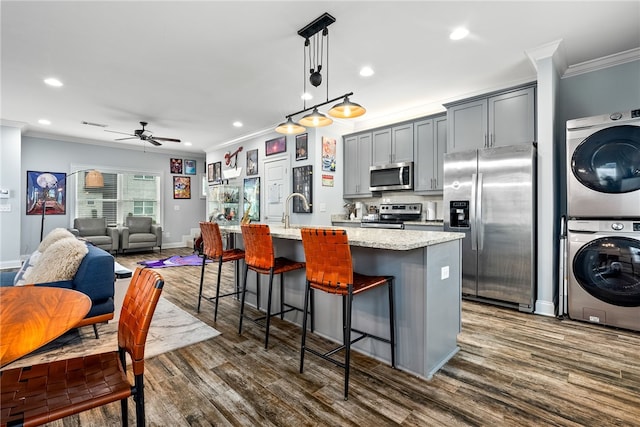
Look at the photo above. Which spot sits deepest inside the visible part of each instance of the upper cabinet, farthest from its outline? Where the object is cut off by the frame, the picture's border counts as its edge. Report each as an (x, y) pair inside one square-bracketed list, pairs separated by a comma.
[(430, 145), (504, 118), (392, 145), (357, 159)]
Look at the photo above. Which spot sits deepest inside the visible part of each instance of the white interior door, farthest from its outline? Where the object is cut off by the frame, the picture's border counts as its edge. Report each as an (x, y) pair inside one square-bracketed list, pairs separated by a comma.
[(276, 189)]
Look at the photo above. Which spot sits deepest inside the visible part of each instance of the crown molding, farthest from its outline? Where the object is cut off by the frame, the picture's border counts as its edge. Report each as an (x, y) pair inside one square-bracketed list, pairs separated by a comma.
[(602, 63)]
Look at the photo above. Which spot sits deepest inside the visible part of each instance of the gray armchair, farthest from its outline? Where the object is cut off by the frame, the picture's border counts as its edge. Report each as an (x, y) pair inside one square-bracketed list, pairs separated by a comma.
[(96, 231), (140, 232)]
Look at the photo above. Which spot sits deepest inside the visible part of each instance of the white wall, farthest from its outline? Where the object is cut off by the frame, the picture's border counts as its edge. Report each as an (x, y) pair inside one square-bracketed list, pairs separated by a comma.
[(178, 216), (10, 179), (326, 200)]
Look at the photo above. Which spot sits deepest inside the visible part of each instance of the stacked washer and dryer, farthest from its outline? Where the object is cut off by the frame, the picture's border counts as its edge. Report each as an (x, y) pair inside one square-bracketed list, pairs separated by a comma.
[(603, 227)]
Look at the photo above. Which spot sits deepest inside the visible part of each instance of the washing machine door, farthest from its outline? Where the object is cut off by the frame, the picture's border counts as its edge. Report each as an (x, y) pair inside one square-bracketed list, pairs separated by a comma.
[(609, 269), (608, 161)]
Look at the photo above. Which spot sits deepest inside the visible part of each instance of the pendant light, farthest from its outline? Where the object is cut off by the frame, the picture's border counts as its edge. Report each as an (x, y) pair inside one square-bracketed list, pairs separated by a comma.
[(93, 179), (346, 109), (315, 119), (290, 127)]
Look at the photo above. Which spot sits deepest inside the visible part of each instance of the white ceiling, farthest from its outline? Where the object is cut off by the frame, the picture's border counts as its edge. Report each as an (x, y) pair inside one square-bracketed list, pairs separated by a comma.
[(193, 68)]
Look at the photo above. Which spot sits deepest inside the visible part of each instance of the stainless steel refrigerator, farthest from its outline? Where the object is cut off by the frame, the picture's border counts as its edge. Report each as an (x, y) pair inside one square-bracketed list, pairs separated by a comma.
[(490, 195)]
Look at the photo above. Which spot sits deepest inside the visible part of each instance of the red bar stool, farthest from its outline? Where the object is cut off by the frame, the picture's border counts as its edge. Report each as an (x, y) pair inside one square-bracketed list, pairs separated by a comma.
[(259, 257), (330, 269), (212, 248)]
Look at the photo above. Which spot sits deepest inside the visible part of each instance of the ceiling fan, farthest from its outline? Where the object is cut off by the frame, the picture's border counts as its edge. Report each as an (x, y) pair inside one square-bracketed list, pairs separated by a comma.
[(144, 135)]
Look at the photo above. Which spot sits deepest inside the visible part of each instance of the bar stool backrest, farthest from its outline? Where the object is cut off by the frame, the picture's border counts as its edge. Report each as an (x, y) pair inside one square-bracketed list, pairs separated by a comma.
[(211, 240), (258, 246), (328, 258)]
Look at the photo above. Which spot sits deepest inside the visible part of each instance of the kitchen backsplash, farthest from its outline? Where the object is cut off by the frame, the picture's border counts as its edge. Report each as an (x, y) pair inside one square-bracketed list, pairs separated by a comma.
[(401, 197)]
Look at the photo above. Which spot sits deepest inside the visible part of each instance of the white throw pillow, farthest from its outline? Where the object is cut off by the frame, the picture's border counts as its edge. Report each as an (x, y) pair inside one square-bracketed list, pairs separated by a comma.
[(26, 266), (55, 235), (59, 262)]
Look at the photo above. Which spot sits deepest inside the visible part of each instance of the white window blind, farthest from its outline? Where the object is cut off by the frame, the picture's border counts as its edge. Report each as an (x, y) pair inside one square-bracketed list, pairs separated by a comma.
[(124, 194)]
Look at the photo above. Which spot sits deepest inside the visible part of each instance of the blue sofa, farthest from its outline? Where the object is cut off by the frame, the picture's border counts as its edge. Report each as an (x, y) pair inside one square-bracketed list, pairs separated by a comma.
[(95, 278)]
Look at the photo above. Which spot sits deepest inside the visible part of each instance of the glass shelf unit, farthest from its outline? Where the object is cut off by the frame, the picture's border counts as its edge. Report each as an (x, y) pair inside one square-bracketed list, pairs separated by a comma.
[(223, 204)]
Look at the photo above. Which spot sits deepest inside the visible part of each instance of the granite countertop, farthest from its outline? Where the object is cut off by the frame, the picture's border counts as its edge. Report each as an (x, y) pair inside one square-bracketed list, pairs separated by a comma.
[(398, 240)]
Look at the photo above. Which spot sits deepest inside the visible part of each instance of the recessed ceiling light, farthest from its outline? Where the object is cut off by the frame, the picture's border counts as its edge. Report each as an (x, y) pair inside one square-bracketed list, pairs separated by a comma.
[(306, 96), (44, 122), (459, 33), (188, 144), (366, 71), (52, 81), (237, 124)]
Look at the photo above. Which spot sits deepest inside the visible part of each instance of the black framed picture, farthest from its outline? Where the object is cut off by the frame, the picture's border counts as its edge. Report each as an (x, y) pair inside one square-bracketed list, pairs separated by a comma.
[(210, 172), (176, 165), (303, 184), (48, 191), (252, 162), (181, 187), (189, 167), (251, 195), (276, 146), (301, 147), (217, 171)]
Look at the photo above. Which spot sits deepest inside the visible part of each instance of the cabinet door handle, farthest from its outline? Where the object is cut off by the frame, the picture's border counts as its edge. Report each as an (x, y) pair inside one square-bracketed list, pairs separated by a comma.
[(485, 141), (493, 140)]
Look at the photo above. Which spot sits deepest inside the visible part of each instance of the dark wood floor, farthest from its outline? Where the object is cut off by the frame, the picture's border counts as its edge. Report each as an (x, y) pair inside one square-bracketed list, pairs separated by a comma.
[(513, 369)]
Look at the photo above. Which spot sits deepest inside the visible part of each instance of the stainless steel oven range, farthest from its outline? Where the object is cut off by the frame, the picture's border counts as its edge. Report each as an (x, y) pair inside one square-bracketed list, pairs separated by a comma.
[(393, 215)]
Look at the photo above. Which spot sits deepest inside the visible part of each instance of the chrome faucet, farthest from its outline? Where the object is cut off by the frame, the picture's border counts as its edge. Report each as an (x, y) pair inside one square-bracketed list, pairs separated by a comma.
[(285, 215)]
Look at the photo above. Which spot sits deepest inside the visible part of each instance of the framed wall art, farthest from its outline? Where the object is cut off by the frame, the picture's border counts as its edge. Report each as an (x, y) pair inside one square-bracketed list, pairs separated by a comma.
[(251, 195), (276, 146), (176, 165), (303, 184), (48, 191), (181, 187), (252, 162), (301, 147), (217, 171), (328, 154), (210, 172), (189, 167)]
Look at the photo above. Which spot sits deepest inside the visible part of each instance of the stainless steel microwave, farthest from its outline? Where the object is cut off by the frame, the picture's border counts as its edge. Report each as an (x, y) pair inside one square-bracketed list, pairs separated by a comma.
[(394, 176)]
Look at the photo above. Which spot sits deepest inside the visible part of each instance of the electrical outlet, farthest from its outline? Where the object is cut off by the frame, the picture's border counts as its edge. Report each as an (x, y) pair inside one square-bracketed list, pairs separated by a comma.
[(444, 272), (176, 207), (5, 208)]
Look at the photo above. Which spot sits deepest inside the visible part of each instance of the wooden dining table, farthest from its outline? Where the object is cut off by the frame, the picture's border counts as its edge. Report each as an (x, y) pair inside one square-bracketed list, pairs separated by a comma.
[(32, 316)]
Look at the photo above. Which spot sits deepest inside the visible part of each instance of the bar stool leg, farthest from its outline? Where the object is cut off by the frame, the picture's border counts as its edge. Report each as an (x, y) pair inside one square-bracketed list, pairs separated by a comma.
[(347, 355), (215, 315), (304, 325), (204, 262), (244, 293), (266, 336), (392, 323)]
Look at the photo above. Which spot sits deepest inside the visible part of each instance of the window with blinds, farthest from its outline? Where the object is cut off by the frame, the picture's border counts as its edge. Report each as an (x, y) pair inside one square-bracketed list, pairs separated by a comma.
[(123, 194)]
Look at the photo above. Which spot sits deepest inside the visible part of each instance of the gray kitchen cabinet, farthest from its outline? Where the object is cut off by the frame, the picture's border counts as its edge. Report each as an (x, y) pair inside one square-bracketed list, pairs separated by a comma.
[(357, 159), (393, 144), (430, 144), (504, 118)]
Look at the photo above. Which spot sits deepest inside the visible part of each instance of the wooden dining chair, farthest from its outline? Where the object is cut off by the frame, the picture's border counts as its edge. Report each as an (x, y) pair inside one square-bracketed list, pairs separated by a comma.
[(43, 393), (212, 248), (330, 269), (259, 257)]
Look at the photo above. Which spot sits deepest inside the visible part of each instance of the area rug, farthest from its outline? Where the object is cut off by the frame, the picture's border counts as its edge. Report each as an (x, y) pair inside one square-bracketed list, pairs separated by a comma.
[(171, 328), (174, 261)]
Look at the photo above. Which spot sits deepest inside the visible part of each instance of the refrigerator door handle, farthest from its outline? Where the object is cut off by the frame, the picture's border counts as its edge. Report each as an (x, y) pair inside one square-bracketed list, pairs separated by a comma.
[(472, 213), (479, 224)]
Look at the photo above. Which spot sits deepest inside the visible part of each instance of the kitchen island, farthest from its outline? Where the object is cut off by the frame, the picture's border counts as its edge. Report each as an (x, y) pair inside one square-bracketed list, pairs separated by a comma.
[(427, 292)]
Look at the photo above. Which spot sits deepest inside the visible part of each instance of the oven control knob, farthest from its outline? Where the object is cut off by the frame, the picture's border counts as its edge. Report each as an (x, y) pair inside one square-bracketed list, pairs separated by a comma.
[(616, 116), (617, 226)]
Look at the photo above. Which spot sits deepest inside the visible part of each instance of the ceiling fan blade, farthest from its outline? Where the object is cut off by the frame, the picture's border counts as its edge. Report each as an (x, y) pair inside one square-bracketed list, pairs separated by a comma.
[(153, 141), (123, 139), (115, 131), (166, 139)]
